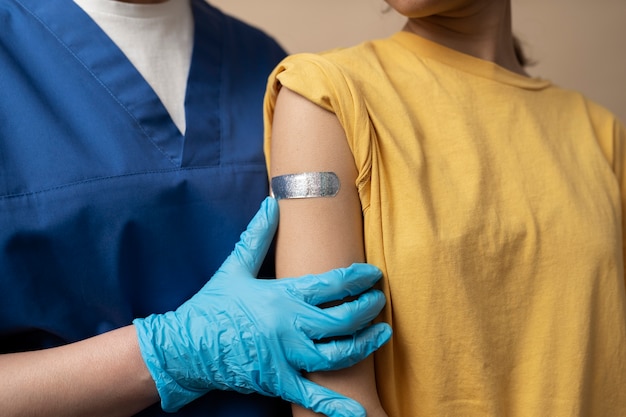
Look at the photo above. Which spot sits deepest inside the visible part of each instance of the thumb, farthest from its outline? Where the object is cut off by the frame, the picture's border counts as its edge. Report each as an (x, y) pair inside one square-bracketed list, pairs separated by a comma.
[(327, 402), (250, 251)]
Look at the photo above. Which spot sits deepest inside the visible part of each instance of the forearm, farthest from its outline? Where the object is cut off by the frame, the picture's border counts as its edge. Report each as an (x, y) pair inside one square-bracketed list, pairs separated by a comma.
[(101, 376), (205, 344)]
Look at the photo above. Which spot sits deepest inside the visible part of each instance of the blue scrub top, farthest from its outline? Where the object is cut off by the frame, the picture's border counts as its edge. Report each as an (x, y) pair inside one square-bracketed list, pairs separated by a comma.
[(107, 212)]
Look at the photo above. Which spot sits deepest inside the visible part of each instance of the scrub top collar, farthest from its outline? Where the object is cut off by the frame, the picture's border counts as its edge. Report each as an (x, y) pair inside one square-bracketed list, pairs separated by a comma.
[(84, 39)]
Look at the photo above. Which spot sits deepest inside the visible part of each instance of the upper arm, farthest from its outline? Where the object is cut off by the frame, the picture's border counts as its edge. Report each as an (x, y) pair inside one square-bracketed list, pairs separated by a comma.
[(315, 234), (318, 234)]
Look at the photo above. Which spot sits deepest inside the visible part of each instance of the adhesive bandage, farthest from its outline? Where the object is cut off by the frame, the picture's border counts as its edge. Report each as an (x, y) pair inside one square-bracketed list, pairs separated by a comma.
[(305, 185)]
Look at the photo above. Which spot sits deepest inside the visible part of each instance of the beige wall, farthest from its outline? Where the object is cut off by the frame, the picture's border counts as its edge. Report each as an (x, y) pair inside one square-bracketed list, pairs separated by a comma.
[(577, 44)]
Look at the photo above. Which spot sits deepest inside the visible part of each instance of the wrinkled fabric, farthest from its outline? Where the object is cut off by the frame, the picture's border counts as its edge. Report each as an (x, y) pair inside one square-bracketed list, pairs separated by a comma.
[(253, 335), (107, 212), (494, 205)]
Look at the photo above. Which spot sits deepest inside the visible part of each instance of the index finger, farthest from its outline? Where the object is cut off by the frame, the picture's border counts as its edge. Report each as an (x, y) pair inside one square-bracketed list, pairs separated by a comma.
[(334, 285)]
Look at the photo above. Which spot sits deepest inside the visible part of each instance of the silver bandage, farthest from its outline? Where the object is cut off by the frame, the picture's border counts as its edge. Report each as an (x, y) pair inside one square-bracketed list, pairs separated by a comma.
[(305, 185)]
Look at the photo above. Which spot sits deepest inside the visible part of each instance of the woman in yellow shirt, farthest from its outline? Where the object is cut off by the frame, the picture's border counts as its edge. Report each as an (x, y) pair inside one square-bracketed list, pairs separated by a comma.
[(492, 201)]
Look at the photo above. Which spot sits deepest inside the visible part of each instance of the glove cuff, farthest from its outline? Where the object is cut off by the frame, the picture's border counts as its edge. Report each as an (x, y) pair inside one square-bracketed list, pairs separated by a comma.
[(173, 395)]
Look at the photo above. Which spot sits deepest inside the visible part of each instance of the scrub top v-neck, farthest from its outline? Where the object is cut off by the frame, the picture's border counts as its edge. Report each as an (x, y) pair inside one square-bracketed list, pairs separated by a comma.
[(107, 211)]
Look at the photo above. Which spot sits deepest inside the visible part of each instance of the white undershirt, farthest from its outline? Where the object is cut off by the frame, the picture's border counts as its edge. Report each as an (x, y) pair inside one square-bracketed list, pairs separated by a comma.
[(157, 39)]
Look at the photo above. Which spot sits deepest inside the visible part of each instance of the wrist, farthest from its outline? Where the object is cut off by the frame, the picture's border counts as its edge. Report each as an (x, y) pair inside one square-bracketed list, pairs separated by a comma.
[(149, 333)]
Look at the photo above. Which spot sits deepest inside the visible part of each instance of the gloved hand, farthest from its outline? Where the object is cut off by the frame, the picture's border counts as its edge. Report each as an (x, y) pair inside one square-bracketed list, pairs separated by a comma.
[(252, 335)]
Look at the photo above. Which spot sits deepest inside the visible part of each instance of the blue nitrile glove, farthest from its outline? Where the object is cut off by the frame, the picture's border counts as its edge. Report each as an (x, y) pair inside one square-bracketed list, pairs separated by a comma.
[(255, 335)]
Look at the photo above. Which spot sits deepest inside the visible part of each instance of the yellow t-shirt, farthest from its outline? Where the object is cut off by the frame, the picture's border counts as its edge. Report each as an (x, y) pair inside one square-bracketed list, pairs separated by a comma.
[(493, 203)]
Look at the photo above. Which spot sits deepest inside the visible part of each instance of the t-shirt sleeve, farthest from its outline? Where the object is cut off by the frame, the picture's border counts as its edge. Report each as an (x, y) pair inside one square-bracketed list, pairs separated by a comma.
[(325, 84), (619, 166), (611, 136)]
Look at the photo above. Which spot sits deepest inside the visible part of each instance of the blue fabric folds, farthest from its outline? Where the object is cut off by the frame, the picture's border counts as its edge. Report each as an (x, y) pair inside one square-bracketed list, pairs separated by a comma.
[(107, 212)]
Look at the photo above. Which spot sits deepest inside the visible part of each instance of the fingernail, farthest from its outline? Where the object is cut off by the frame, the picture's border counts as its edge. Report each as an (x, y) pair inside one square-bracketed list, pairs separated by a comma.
[(367, 269), (348, 408), (384, 334), (270, 207)]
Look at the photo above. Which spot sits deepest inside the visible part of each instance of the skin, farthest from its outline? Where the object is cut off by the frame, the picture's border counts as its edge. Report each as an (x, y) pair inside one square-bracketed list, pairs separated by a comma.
[(307, 138), (60, 381), (481, 28), (101, 376)]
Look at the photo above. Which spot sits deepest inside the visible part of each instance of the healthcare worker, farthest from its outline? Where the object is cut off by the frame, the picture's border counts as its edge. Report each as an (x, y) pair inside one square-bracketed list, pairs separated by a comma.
[(130, 161)]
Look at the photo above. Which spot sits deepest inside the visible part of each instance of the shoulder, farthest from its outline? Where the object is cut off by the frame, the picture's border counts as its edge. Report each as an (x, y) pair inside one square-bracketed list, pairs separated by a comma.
[(11, 11), (339, 80), (604, 122), (238, 36), (316, 77), (353, 62), (605, 128), (330, 72), (6, 6)]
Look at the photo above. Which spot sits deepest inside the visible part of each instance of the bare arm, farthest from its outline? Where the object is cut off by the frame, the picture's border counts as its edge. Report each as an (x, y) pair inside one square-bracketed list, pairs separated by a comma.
[(101, 376), (320, 233), (189, 351)]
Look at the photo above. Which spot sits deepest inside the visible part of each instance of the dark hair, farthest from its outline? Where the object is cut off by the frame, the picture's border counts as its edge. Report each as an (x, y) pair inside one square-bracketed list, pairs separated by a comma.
[(521, 56)]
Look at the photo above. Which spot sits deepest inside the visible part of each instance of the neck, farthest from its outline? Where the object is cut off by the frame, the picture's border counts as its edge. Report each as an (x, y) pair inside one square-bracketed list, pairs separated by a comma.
[(481, 30)]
